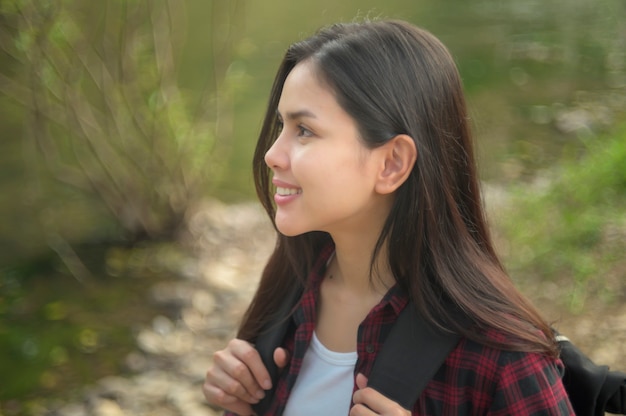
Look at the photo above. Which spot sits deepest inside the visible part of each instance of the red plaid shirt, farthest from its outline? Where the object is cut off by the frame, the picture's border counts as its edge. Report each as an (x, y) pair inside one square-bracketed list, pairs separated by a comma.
[(474, 379)]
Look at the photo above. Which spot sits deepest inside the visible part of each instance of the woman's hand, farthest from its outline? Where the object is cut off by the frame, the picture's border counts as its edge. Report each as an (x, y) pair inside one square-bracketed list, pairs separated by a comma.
[(368, 401), (238, 377)]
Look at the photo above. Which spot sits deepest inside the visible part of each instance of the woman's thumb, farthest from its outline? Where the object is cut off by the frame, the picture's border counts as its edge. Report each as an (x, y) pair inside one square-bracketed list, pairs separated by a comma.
[(281, 357), (361, 381)]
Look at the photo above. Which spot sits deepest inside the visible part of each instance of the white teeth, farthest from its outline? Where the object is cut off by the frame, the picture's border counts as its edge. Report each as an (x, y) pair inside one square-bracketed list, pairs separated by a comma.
[(287, 191)]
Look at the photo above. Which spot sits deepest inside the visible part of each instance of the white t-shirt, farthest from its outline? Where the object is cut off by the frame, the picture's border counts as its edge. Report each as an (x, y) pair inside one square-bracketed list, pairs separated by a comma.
[(324, 384)]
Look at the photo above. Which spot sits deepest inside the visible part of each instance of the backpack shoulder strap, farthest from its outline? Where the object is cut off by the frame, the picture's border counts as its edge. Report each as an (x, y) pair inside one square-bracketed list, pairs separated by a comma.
[(272, 338), (411, 355)]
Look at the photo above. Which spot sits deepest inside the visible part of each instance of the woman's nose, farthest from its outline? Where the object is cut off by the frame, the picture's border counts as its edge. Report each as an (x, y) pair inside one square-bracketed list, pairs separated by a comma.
[(276, 157)]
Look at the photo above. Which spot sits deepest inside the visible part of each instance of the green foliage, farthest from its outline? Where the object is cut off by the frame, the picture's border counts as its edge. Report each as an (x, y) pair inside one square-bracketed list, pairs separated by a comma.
[(106, 111), (572, 228), (58, 333)]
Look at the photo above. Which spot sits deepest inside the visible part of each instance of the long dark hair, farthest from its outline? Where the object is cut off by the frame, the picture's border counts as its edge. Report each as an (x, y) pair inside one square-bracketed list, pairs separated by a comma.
[(394, 78)]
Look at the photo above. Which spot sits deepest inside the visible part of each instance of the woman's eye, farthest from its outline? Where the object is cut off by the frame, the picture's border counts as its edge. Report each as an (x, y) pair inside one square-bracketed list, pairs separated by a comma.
[(304, 132)]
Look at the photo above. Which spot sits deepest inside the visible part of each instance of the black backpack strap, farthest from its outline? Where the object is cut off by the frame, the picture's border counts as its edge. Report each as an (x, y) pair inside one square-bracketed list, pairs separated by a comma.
[(614, 393), (271, 339), (592, 389), (411, 355)]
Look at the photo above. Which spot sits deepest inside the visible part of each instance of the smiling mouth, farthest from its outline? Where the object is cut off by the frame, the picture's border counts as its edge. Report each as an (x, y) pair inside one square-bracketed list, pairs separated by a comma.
[(287, 191)]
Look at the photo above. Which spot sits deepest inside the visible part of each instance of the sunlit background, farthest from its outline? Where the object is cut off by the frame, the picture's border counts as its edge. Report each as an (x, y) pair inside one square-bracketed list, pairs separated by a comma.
[(122, 121)]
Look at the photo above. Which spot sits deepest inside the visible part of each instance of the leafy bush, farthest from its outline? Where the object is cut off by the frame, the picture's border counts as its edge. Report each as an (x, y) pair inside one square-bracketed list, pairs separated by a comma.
[(106, 112), (571, 227)]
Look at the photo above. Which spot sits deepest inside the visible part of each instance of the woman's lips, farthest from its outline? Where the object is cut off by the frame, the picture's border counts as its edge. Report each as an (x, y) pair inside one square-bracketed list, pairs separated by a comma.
[(282, 191), (285, 192)]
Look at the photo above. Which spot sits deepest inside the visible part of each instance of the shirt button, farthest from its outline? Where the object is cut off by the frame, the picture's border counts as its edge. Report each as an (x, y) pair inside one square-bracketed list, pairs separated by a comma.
[(370, 348)]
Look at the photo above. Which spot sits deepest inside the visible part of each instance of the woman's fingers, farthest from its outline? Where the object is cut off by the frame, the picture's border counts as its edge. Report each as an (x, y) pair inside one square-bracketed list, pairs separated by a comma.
[(368, 401), (243, 364), (253, 365), (237, 378), (223, 381), (218, 397)]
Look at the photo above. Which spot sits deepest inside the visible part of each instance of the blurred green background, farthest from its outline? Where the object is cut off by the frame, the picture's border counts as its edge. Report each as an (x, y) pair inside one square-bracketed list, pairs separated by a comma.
[(119, 116)]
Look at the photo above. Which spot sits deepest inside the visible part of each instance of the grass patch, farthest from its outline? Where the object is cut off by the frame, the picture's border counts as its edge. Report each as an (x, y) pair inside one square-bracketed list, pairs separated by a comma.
[(569, 227)]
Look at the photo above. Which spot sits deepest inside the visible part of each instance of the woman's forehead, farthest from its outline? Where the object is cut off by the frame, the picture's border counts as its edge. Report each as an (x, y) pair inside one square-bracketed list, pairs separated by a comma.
[(304, 94)]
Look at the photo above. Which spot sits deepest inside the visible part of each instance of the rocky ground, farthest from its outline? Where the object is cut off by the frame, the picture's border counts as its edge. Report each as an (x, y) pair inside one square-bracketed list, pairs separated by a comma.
[(206, 298)]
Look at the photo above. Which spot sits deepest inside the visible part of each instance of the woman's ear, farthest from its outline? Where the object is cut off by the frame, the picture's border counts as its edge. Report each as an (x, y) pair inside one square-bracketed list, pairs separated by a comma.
[(399, 155)]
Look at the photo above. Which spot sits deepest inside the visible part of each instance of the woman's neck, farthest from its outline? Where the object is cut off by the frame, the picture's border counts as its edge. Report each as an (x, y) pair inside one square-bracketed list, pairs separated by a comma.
[(352, 265), (352, 268)]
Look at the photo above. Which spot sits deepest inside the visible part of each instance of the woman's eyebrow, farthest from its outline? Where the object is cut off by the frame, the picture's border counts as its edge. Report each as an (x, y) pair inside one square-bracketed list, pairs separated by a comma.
[(293, 115)]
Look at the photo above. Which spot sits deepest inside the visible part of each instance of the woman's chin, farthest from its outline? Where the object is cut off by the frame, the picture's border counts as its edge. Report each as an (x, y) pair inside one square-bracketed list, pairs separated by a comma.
[(289, 229)]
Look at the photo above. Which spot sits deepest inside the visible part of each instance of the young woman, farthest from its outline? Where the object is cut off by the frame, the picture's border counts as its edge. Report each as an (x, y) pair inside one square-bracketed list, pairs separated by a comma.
[(365, 165)]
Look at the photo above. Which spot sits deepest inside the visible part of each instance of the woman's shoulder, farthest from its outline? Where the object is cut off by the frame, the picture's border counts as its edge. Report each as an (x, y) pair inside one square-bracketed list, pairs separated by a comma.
[(484, 377), (473, 360)]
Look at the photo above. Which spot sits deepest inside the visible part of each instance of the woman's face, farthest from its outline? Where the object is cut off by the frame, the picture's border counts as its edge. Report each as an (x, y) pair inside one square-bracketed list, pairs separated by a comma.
[(324, 175)]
